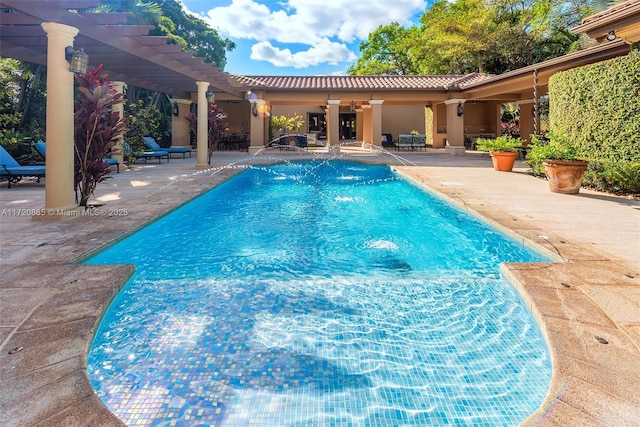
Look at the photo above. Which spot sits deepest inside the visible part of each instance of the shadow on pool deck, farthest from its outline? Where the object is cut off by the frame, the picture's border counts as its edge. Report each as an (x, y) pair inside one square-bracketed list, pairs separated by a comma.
[(588, 306)]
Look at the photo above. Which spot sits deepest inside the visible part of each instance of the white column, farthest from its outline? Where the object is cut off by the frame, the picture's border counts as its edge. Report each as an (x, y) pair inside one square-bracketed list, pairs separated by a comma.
[(376, 121), (117, 149), (202, 161), (455, 128), (333, 122), (59, 194), (180, 129)]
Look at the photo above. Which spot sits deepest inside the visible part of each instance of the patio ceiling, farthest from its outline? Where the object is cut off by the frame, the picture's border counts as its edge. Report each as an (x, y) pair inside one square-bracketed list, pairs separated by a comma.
[(126, 51)]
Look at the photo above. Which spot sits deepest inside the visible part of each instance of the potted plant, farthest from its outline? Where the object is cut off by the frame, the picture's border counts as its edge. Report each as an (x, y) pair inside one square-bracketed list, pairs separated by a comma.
[(563, 163), (503, 151)]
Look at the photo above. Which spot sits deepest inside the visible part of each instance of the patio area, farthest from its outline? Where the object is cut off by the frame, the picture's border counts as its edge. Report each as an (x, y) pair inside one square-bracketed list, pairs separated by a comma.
[(588, 305)]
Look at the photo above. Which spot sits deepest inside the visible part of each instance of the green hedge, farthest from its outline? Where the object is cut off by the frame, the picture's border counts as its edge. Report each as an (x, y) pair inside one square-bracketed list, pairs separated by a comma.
[(617, 177), (598, 107)]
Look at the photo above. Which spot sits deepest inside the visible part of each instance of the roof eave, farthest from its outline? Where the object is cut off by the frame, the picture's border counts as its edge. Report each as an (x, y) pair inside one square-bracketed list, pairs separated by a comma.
[(598, 53)]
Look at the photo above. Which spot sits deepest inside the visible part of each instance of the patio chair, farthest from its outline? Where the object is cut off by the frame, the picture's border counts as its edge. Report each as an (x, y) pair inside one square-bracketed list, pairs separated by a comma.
[(153, 145), (14, 172), (387, 140), (41, 148)]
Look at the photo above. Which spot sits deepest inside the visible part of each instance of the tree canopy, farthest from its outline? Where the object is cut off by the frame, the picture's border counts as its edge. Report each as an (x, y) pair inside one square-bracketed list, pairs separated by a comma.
[(171, 21), (387, 51), (464, 36)]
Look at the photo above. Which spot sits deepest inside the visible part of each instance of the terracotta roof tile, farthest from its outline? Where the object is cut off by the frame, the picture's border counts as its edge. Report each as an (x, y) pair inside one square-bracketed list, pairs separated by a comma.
[(613, 9), (360, 82)]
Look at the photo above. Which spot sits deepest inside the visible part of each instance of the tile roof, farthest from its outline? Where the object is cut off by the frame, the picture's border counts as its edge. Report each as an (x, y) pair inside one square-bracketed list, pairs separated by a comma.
[(617, 8), (396, 83)]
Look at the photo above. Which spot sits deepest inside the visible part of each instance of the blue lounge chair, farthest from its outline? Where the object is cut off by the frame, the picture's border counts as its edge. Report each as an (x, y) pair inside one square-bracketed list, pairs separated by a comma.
[(153, 145), (135, 155), (14, 172), (41, 148)]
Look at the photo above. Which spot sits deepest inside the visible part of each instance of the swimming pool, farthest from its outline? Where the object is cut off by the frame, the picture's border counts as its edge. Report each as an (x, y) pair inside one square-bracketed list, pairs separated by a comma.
[(319, 293)]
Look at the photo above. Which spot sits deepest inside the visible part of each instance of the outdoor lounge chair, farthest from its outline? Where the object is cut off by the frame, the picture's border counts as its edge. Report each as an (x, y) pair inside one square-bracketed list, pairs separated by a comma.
[(135, 155), (153, 145), (41, 148), (14, 172)]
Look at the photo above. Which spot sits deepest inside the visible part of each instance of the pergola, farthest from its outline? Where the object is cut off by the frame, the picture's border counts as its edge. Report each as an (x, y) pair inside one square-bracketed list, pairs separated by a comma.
[(126, 51), (40, 31)]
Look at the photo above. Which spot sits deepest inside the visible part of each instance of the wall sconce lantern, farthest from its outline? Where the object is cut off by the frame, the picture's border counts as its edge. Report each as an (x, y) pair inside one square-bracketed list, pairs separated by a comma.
[(174, 109), (253, 100), (611, 36), (460, 109), (78, 60), (211, 97)]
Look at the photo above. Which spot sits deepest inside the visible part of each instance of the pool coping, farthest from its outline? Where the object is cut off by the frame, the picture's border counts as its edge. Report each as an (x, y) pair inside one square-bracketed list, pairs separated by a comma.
[(595, 356), (593, 383)]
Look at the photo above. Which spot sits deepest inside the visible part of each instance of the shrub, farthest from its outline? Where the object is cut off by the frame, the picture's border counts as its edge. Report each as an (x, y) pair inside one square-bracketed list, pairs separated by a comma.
[(552, 146), (96, 130), (286, 123), (615, 176), (598, 106), (143, 120), (501, 143)]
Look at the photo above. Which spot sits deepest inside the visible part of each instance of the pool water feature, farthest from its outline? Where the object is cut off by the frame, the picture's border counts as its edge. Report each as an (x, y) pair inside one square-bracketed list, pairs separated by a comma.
[(319, 293)]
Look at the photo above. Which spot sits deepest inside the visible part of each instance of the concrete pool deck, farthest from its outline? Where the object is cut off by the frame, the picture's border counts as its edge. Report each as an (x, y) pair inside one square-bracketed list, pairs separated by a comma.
[(588, 306)]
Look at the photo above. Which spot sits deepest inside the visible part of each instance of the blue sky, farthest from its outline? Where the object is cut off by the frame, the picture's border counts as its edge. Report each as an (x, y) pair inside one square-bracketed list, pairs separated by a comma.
[(299, 37)]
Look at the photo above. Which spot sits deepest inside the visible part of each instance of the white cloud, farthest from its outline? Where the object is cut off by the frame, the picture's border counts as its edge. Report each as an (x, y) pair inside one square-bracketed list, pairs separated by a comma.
[(325, 51), (325, 26)]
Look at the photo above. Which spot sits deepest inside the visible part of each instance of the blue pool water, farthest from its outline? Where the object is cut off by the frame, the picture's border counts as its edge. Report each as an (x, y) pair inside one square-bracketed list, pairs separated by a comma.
[(319, 294)]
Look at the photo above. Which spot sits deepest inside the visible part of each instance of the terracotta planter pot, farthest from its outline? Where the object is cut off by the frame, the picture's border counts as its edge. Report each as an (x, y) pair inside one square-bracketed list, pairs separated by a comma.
[(503, 161), (565, 176)]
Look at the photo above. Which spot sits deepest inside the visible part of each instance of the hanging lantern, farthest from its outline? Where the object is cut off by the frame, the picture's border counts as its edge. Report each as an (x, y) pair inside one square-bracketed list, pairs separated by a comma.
[(78, 60)]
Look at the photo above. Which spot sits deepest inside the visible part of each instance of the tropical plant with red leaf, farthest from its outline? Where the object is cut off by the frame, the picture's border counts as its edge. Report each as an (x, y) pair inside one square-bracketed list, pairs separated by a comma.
[(97, 128), (216, 126)]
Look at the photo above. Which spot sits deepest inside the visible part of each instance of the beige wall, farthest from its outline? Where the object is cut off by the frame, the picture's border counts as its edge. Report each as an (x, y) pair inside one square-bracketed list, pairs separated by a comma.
[(478, 117), (397, 119), (238, 114), (302, 110)]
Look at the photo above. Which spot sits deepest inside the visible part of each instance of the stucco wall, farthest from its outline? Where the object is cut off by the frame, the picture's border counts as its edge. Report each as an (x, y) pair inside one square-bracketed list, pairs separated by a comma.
[(238, 114), (397, 119), (480, 117), (302, 110)]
